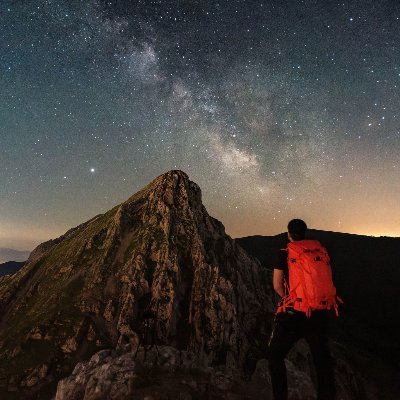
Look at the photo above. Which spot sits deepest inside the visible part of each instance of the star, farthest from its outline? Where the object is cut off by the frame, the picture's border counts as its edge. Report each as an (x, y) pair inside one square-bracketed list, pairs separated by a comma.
[(251, 116)]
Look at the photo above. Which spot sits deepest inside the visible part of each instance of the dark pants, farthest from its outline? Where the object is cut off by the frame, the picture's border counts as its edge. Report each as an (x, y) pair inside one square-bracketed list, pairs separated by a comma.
[(287, 330)]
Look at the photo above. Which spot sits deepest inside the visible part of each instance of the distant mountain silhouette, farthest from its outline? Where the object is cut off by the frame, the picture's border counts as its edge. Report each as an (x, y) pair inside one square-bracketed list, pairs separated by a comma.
[(7, 254), (367, 276), (10, 267)]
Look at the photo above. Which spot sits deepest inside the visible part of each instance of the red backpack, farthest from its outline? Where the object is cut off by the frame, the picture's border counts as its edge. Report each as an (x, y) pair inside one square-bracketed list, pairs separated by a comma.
[(310, 279)]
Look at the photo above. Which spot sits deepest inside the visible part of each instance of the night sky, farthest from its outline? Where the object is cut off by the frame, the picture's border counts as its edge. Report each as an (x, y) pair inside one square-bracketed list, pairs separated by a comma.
[(277, 109)]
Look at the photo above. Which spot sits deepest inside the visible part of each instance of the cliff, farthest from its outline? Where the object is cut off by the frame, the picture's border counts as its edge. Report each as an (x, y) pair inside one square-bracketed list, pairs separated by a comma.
[(156, 269)]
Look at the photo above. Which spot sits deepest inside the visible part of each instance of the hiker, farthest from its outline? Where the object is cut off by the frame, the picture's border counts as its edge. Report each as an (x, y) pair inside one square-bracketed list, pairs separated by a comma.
[(303, 311)]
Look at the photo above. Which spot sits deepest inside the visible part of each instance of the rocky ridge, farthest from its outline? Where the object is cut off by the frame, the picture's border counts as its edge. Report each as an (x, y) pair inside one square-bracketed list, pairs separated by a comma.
[(165, 373), (156, 269)]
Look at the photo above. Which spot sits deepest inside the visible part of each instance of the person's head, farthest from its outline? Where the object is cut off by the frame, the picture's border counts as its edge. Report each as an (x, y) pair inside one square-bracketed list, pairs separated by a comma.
[(296, 229)]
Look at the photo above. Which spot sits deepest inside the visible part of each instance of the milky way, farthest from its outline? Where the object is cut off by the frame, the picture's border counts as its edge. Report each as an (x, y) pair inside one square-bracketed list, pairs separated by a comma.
[(277, 109)]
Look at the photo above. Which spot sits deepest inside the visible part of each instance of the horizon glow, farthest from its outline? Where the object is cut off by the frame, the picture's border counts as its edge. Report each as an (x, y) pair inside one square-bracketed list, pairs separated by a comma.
[(276, 110)]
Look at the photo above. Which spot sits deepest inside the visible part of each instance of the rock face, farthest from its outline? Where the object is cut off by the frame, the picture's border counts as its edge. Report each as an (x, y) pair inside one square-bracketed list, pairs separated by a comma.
[(112, 377), (156, 269), (159, 374), (163, 373)]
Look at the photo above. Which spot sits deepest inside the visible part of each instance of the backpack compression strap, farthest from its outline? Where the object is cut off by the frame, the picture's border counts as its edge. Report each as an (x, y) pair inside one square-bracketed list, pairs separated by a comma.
[(286, 301)]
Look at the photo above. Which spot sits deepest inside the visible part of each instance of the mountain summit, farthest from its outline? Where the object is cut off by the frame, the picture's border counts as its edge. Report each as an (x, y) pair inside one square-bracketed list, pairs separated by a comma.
[(156, 269)]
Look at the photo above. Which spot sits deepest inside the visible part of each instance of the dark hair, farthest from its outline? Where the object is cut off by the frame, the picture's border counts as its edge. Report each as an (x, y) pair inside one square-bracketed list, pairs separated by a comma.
[(297, 229)]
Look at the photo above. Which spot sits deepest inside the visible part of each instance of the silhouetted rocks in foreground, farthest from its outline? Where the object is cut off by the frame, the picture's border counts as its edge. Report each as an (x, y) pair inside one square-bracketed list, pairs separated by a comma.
[(10, 267), (164, 373)]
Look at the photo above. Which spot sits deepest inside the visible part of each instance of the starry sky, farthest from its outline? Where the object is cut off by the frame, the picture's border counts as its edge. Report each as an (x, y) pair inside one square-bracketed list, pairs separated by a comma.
[(277, 109)]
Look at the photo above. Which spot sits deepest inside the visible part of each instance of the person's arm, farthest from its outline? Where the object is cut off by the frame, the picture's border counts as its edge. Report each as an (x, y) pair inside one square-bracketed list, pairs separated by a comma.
[(278, 281)]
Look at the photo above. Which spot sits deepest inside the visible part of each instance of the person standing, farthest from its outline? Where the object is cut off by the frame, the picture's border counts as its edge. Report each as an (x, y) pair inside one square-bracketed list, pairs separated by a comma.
[(303, 280)]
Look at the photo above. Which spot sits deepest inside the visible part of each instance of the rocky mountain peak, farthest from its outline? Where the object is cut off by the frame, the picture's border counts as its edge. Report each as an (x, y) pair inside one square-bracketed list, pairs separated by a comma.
[(170, 185), (154, 270)]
